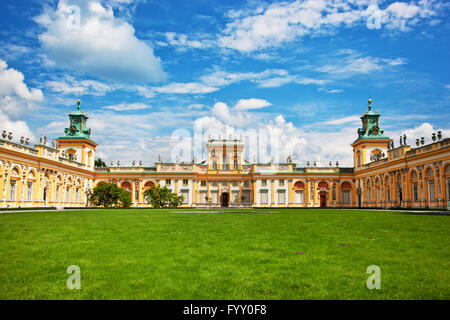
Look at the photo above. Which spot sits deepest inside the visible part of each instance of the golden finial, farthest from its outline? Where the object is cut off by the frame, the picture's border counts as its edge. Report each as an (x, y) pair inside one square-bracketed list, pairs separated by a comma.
[(370, 101), (78, 104), (378, 111)]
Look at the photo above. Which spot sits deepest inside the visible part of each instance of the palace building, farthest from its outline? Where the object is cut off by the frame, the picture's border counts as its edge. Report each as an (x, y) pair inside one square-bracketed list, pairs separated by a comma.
[(383, 176)]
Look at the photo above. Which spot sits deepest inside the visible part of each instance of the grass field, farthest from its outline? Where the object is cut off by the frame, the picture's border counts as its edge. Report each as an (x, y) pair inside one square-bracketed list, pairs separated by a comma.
[(247, 254)]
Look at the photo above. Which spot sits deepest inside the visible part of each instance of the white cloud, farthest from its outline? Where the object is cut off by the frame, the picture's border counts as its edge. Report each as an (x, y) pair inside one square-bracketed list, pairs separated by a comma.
[(275, 133), (269, 78), (102, 44), (128, 107), (348, 63), (247, 104), (181, 40), (19, 128), (69, 85), (197, 106), (15, 96), (424, 130), (282, 22), (185, 88), (340, 121)]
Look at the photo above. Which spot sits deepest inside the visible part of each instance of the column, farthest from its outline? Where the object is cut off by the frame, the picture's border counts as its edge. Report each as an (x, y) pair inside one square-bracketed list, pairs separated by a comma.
[(307, 197), (273, 202), (291, 193)]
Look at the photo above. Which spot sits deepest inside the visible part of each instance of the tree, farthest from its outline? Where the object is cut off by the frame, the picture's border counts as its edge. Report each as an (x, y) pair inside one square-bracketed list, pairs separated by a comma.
[(162, 197), (108, 195), (99, 163)]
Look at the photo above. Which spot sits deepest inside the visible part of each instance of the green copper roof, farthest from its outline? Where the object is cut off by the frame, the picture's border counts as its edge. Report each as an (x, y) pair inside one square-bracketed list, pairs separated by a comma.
[(77, 128), (370, 126)]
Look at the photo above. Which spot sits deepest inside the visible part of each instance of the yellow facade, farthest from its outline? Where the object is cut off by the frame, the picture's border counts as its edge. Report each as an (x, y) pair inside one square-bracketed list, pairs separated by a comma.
[(408, 177)]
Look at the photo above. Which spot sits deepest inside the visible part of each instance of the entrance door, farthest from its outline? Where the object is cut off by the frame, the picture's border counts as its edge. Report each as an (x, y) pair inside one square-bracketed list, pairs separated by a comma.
[(224, 199), (323, 199)]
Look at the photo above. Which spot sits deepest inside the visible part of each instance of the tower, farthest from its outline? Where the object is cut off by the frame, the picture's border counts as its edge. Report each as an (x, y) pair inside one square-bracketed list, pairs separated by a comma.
[(371, 144), (76, 141)]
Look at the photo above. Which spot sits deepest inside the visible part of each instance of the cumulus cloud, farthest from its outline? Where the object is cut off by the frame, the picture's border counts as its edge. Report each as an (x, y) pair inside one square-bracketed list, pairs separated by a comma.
[(273, 136), (19, 128), (270, 26), (425, 130), (15, 96), (96, 42)]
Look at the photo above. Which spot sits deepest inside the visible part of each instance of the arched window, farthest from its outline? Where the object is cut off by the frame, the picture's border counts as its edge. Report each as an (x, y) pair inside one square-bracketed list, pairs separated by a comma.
[(447, 177), (323, 184), (126, 186), (430, 184), (15, 172), (148, 184), (346, 191), (299, 192), (414, 186), (299, 185)]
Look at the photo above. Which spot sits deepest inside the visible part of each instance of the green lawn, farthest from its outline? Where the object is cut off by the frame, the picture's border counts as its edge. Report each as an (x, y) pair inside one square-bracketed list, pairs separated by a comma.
[(247, 254)]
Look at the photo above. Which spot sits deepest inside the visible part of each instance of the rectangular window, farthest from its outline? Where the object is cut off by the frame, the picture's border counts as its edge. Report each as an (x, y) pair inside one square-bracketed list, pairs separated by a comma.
[(235, 196), (12, 190), (281, 197), (235, 183), (185, 182), (448, 189), (30, 191), (203, 183), (57, 193), (264, 182), (213, 197), (415, 191), (299, 196), (264, 196), (78, 195), (431, 191), (67, 194), (168, 182), (388, 194), (246, 183), (214, 165), (185, 195), (235, 165), (202, 195), (346, 196), (281, 182), (378, 195), (214, 183)]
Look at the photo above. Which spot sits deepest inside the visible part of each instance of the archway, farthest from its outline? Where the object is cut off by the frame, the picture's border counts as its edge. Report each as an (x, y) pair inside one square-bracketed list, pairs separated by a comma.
[(224, 198)]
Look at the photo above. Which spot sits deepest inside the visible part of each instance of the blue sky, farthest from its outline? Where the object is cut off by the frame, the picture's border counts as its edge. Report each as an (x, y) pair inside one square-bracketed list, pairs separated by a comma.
[(150, 71)]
